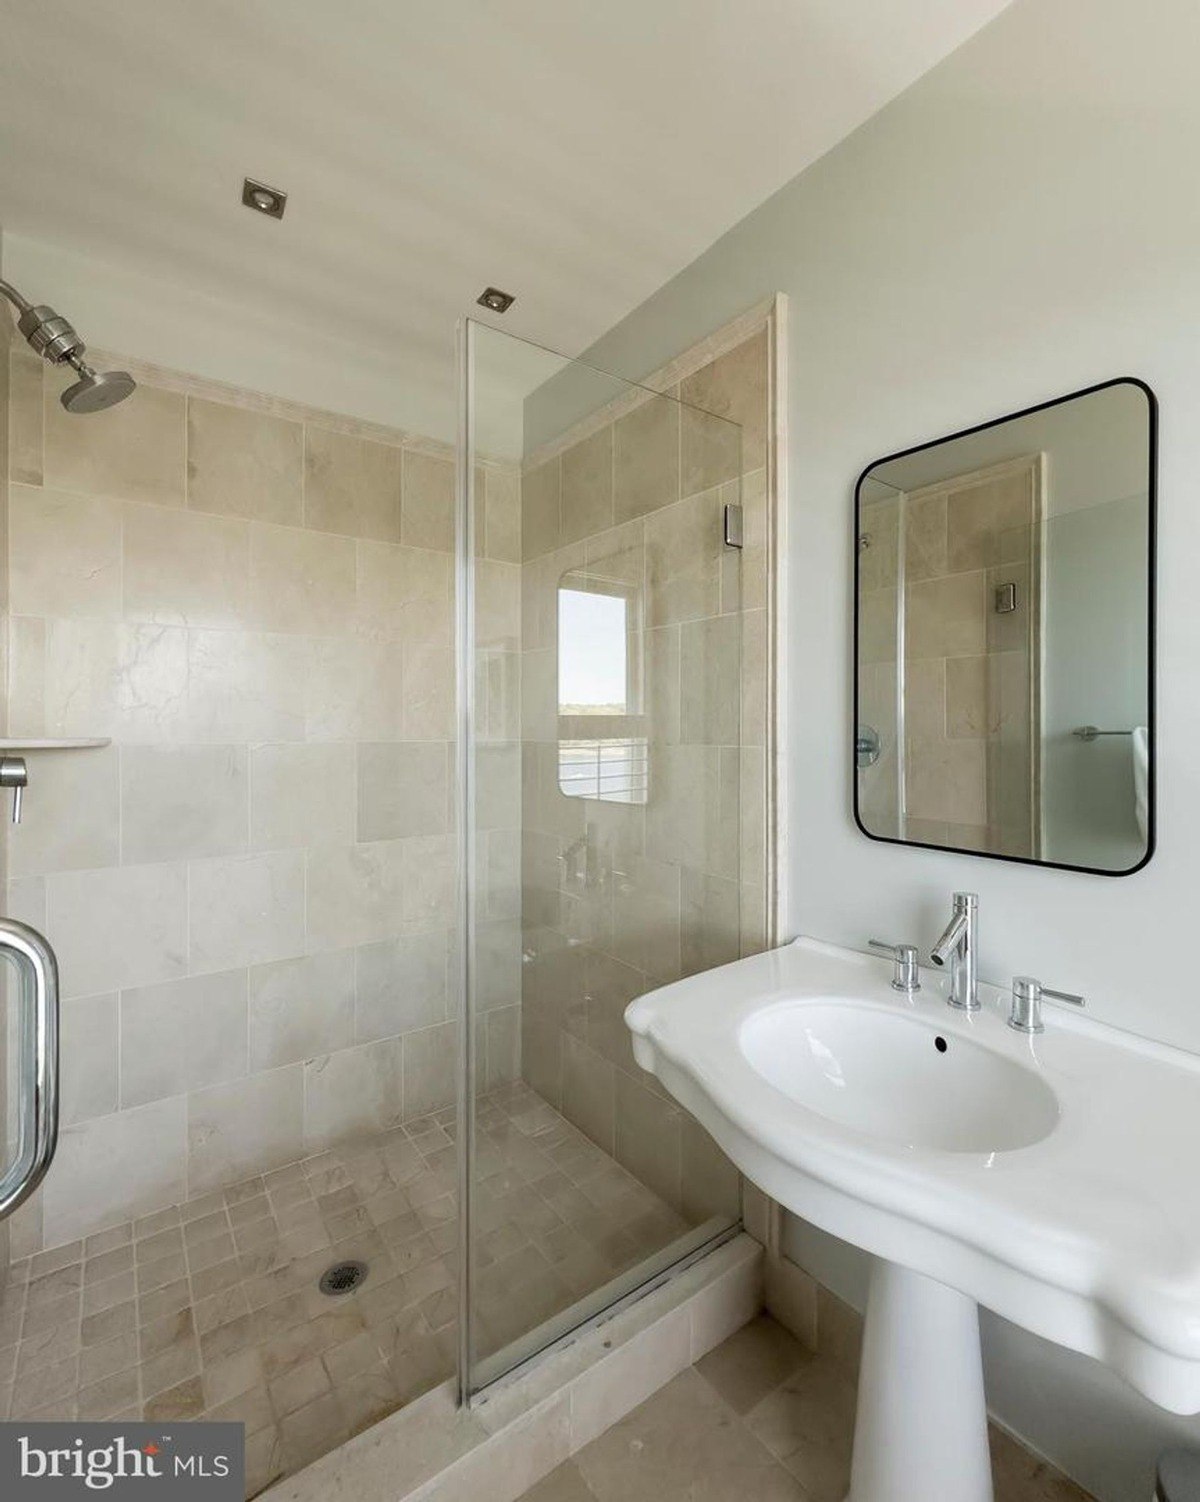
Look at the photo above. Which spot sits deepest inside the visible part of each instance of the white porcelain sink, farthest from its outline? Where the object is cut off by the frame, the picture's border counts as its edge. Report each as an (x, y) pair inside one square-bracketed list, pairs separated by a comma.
[(1050, 1178), (898, 1077)]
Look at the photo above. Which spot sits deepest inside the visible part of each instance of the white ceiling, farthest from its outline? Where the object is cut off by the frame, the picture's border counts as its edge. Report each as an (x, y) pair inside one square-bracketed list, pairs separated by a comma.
[(575, 152)]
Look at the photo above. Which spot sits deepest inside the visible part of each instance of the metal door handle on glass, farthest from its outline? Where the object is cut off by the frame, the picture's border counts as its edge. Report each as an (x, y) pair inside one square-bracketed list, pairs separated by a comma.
[(37, 1065)]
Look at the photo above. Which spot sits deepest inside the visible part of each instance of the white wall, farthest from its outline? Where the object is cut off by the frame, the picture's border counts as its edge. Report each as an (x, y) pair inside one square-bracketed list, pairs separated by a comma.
[(1022, 222), (167, 323)]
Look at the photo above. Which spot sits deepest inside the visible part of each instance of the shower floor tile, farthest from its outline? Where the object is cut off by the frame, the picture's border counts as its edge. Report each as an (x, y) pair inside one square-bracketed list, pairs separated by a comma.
[(211, 1309)]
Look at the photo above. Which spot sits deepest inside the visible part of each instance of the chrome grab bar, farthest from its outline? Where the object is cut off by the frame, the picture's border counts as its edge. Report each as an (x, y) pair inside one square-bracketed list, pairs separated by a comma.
[(37, 1131)]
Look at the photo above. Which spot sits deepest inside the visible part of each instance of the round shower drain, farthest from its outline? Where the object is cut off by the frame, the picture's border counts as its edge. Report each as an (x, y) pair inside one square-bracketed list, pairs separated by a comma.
[(343, 1277)]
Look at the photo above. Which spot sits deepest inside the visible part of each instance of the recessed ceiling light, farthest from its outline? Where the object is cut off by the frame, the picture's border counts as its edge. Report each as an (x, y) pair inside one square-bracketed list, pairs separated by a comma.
[(269, 201), (495, 300)]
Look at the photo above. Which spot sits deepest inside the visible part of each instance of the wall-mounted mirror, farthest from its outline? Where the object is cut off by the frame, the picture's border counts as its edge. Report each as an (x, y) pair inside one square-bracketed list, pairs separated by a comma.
[(1004, 637), (602, 746)]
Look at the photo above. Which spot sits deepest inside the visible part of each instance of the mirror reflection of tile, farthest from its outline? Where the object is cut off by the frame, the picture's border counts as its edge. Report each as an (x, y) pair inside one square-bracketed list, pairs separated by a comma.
[(1003, 615)]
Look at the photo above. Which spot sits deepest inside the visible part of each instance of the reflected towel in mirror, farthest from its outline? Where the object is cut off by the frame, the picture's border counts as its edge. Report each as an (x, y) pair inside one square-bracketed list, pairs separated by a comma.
[(1140, 740)]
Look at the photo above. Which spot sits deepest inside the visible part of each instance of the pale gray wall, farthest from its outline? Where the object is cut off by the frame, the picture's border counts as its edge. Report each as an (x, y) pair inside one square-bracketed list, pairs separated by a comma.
[(1017, 225)]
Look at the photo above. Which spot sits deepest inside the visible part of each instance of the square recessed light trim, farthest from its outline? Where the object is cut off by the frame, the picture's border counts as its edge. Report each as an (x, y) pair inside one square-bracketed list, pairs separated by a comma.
[(494, 300), (263, 199)]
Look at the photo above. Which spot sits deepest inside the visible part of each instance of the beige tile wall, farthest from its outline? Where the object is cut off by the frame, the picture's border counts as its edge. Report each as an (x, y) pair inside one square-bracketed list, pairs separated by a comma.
[(619, 898), (251, 890)]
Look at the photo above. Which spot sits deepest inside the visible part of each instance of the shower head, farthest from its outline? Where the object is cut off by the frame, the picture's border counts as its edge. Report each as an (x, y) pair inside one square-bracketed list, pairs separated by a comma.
[(53, 337), (97, 389)]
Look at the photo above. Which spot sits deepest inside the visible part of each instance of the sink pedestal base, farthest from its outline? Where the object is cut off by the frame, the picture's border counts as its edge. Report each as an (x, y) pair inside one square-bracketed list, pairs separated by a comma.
[(921, 1427)]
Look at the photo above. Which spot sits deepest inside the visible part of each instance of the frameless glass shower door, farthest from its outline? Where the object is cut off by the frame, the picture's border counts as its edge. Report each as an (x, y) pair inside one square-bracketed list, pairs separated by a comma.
[(600, 636)]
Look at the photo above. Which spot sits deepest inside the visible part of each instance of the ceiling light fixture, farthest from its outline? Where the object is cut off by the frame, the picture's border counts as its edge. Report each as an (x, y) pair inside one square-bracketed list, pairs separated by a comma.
[(494, 300), (269, 201)]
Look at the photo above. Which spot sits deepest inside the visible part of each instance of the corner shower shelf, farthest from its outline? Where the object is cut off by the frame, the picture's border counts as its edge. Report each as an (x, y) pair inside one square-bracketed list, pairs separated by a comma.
[(64, 743)]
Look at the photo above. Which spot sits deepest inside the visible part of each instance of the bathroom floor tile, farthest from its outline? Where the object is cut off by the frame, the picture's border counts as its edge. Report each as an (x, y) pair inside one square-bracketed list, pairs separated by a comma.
[(564, 1484), (752, 1363), (684, 1444), (696, 1440)]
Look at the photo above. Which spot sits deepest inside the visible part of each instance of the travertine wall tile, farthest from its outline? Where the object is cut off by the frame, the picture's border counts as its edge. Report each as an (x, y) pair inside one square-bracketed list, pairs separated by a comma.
[(300, 581), (646, 459), (245, 909), (88, 1058), (243, 463), (118, 926), (352, 1091), (182, 568), (25, 417), (617, 898), (732, 387), (300, 1009), (65, 554), (427, 502), (351, 485), (586, 496), (502, 515), (256, 603), (244, 1127), (114, 1168), (183, 801), (184, 1035), (302, 794), (403, 789), (541, 525), (135, 454)]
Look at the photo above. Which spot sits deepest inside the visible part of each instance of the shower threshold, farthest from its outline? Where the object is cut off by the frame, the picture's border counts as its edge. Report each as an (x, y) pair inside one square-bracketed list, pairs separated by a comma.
[(494, 1372)]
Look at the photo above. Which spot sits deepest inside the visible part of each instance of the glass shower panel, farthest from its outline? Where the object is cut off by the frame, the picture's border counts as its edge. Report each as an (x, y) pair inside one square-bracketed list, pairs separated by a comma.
[(601, 693)]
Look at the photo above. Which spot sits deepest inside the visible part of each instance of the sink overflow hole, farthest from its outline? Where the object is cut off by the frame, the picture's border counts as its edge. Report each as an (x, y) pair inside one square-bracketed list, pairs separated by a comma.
[(940, 1044), (343, 1277)]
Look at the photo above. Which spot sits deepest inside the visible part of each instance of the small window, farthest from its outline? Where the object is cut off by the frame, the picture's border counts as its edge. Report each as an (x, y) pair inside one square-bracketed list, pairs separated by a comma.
[(602, 749)]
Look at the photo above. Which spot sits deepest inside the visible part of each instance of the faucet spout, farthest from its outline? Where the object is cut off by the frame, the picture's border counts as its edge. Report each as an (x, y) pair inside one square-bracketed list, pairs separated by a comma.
[(945, 947), (958, 947)]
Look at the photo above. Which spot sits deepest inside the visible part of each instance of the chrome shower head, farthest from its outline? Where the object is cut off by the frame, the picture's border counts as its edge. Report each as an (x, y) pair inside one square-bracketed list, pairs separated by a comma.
[(97, 389), (54, 338)]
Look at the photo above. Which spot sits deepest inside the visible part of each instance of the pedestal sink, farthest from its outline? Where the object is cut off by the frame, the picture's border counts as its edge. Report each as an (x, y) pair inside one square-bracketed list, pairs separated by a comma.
[(1040, 1176)]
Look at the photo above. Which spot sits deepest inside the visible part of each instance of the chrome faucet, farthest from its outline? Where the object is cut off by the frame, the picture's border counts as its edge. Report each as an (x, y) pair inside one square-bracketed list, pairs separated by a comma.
[(960, 946)]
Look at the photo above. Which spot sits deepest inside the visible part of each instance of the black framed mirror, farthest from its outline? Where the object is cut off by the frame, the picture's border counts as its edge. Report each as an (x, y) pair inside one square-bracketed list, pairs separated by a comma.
[(1004, 636)]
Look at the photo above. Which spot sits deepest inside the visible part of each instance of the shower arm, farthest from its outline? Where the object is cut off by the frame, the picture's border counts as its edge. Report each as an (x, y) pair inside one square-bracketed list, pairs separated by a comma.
[(14, 296), (50, 334)]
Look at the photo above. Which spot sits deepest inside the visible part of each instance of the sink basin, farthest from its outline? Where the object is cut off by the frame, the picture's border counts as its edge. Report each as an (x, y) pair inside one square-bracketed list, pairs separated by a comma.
[(898, 1078), (1039, 1176)]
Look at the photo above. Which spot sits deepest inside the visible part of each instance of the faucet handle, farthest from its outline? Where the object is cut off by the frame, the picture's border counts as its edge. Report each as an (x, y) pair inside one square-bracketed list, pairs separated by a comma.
[(906, 976), (1027, 993), (1076, 1001), (13, 774)]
